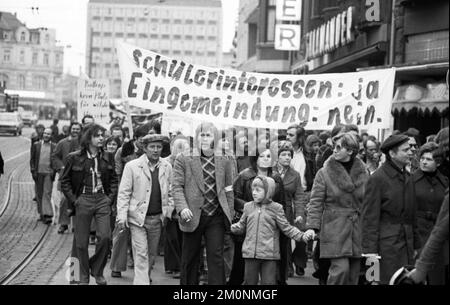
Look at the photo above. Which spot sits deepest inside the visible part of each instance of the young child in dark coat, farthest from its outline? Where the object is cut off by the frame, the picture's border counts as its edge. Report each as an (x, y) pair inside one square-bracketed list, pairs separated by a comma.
[(261, 221)]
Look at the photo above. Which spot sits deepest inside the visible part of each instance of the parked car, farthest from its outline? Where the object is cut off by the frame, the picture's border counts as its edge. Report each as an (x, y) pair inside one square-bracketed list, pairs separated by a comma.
[(28, 118), (11, 122)]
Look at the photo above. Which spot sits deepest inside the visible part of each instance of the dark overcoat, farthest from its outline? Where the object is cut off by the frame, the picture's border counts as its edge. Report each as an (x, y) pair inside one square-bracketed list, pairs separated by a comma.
[(389, 219)]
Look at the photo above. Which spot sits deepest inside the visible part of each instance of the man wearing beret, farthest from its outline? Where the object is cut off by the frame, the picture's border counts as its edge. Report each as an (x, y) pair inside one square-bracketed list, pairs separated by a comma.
[(143, 201), (388, 213)]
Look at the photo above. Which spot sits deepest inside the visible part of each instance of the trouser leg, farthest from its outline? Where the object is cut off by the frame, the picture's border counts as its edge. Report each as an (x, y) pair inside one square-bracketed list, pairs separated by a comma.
[(139, 244), (64, 218), (214, 239), (39, 192), (299, 255), (84, 212), (102, 216), (46, 202), (251, 273), (268, 270), (190, 254), (153, 227)]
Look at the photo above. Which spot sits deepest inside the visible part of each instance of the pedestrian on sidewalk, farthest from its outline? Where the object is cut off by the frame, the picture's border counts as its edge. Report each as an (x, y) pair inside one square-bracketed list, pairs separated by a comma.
[(90, 184), (143, 201), (59, 158), (43, 175), (262, 221)]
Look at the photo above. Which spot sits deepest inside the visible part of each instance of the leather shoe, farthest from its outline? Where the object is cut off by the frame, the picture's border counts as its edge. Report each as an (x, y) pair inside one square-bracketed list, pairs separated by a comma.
[(116, 274), (62, 229), (100, 279), (300, 271)]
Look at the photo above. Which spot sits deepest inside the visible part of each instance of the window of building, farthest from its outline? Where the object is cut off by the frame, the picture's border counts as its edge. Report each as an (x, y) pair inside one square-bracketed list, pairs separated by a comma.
[(131, 35), (22, 36), (211, 38), (177, 21), (7, 55), (154, 20), (188, 37), (176, 52), (40, 82), (200, 37), (252, 39), (21, 81), (177, 37), (212, 22), (200, 21), (189, 21), (211, 54), (5, 36), (188, 53), (119, 34), (35, 58), (47, 38), (46, 60), (143, 35), (154, 36), (109, 11), (165, 36), (58, 59), (270, 27), (166, 21), (4, 80), (22, 57)]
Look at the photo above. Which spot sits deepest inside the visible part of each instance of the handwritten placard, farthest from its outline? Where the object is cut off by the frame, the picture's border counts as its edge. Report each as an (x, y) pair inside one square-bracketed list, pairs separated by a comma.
[(93, 99)]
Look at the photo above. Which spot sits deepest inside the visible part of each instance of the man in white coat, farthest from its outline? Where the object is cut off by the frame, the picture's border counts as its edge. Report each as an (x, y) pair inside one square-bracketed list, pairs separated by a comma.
[(142, 203)]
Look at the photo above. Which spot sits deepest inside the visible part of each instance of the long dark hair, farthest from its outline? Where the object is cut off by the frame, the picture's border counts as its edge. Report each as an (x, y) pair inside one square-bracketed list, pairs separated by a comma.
[(253, 159), (86, 137)]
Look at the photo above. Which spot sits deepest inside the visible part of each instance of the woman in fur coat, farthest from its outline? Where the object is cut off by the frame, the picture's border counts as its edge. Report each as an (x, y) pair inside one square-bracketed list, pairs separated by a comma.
[(334, 210)]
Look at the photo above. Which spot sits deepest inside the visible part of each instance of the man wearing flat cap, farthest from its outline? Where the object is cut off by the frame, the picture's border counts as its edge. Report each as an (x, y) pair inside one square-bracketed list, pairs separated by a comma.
[(388, 213), (143, 201)]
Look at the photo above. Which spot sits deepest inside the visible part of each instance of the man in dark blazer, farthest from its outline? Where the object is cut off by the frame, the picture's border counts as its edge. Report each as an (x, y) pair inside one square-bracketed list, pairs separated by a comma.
[(43, 174), (389, 211), (203, 196)]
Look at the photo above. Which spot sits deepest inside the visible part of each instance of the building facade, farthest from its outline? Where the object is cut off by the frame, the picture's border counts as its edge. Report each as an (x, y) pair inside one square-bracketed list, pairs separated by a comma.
[(31, 64), (186, 29), (422, 60), (255, 50)]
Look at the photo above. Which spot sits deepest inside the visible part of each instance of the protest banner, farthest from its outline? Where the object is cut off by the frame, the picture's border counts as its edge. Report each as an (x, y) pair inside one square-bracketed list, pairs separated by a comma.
[(93, 99), (172, 86)]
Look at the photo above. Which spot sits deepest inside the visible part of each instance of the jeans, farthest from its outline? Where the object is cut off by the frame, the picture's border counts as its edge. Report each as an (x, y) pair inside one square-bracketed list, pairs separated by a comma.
[(88, 207), (145, 241), (213, 229), (255, 267)]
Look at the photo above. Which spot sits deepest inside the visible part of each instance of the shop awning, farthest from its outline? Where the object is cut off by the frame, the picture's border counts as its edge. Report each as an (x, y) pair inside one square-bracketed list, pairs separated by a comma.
[(413, 97)]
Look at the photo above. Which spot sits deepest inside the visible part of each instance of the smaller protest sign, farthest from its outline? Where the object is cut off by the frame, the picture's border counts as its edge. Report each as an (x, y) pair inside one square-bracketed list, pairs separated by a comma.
[(93, 99)]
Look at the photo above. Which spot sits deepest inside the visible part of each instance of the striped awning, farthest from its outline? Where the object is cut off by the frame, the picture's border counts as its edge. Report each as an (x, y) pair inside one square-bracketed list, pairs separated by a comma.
[(416, 98)]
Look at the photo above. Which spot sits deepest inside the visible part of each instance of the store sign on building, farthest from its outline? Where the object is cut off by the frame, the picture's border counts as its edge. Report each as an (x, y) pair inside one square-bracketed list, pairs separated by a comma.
[(288, 36), (337, 32)]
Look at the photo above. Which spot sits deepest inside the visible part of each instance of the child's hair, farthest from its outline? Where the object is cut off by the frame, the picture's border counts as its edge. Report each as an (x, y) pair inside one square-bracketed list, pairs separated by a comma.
[(267, 183)]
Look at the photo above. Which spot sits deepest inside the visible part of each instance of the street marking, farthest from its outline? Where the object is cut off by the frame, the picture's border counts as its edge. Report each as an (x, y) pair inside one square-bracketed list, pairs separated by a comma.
[(23, 183)]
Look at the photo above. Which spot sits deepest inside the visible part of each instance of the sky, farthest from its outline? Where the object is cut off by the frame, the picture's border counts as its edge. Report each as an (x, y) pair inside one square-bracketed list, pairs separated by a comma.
[(68, 17)]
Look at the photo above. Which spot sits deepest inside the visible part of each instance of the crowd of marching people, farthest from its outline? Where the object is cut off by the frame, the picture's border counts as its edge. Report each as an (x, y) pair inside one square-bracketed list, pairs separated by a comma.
[(243, 206)]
